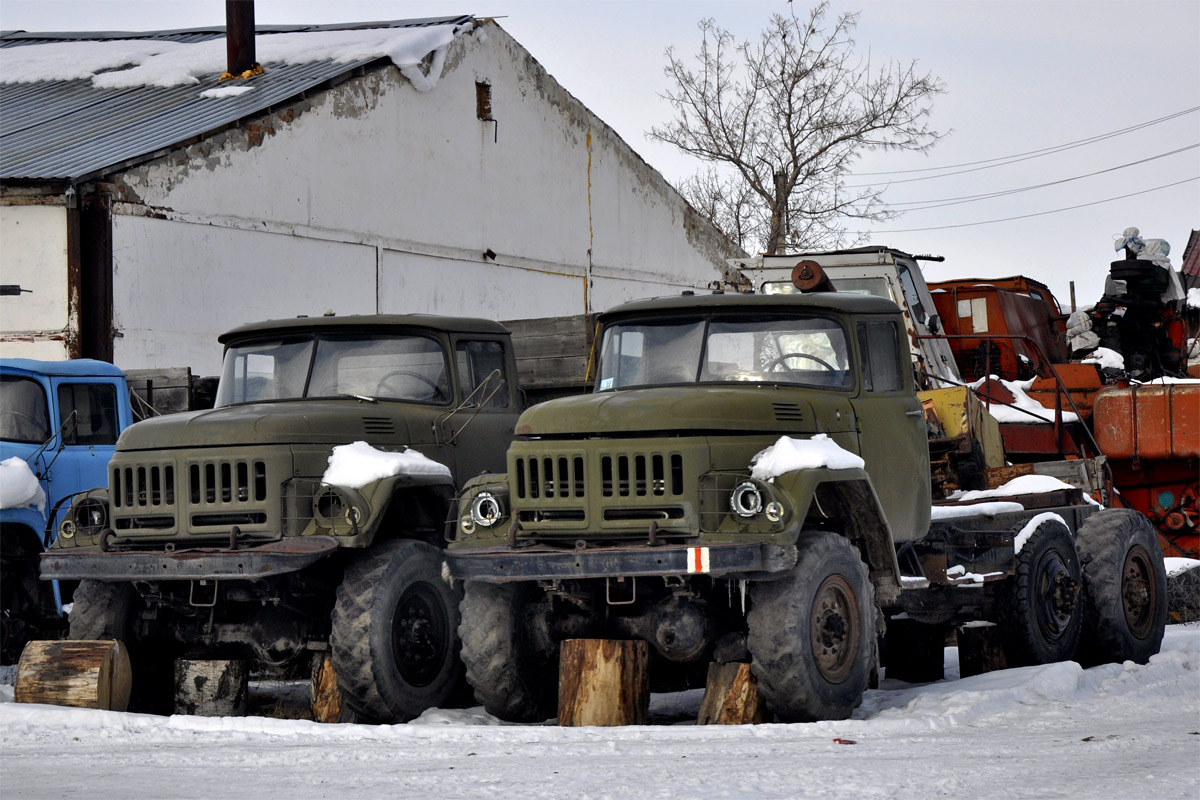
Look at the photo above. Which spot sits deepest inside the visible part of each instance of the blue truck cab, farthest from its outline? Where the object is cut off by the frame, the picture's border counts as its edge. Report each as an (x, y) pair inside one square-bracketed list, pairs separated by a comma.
[(62, 419)]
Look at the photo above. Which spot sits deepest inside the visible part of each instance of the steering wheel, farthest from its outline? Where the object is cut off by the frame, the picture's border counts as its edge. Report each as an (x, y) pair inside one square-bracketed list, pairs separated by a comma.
[(435, 390), (28, 427), (781, 362)]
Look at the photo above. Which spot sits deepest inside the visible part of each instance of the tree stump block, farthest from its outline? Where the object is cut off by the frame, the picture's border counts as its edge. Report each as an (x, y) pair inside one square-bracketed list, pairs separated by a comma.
[(82, 673), (980, 650), (731, 697), (326, 702), (603, 682), (216, 688)]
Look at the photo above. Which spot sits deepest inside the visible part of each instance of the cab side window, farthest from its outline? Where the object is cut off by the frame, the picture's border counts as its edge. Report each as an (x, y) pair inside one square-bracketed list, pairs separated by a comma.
[(94, 406), (483, 374), (881, 357)]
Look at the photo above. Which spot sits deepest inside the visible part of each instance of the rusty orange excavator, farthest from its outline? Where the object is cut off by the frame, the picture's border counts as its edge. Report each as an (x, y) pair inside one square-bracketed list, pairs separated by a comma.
[(1114, 379)]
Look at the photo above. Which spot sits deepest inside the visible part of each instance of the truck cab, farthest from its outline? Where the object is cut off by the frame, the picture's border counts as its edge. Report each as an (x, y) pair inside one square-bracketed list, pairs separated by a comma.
[(59, 423), (879, 271)]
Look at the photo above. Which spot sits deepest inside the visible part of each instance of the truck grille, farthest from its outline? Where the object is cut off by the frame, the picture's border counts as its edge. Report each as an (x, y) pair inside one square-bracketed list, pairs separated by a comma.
[(201, 496)]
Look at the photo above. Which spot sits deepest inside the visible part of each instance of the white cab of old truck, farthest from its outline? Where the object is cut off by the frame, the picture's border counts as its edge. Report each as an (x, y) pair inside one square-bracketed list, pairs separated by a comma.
[(880, 271)]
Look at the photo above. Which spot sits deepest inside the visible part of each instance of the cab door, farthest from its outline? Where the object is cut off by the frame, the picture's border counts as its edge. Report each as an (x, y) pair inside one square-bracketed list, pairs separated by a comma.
[(891, 428), (482, 427), (89, 422)]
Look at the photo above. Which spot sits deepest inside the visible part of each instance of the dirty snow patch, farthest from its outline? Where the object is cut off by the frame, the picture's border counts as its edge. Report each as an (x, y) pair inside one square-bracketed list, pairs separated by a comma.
[(1106, 358), (226, 91), (978, 510), (1164, 380), (1024, 484), (19, 487), (130, 63), (959, 573), (789, 455), (1027, 411), (358, 464), (1193, 298), (1178, 566)]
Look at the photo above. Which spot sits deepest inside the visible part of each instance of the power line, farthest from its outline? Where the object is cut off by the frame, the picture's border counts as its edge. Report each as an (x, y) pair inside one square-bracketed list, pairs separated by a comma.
[(1032, 153), (1027, 216), (954, 201)]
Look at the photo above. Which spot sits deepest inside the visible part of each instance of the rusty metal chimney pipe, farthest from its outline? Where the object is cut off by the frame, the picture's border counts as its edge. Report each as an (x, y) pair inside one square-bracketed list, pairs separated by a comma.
[(239, 36)]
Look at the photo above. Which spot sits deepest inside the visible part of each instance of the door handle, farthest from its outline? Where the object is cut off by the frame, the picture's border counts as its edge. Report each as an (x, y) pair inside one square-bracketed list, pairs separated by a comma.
[(920, 412)]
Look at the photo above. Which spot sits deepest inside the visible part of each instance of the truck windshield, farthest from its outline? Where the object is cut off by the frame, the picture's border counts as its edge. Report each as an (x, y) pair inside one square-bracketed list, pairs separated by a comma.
[(804, 350), (412, 368), (24, 413)]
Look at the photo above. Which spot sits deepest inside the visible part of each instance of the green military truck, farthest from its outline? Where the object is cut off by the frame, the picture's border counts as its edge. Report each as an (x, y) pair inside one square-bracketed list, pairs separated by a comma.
[(749, 481), (228, 533)]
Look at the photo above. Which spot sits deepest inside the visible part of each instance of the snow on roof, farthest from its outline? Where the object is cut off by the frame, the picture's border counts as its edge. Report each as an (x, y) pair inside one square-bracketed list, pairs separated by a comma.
[(788, 455), (358, 464), (133, 63), (143, 93)]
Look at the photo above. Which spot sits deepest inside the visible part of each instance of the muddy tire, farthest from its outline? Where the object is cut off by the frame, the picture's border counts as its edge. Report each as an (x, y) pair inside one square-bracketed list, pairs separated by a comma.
[(812, 633), (1124, 588), (394, 646), (1039, 608), (104, 610), (511, 662)]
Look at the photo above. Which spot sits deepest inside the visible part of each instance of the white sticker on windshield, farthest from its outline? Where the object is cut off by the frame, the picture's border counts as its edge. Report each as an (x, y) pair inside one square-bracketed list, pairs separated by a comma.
[(606, 383)]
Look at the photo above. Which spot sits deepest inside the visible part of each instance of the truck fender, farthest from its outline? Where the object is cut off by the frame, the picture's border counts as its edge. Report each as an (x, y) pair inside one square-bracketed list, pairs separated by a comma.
[(414, 506), (844, 500)]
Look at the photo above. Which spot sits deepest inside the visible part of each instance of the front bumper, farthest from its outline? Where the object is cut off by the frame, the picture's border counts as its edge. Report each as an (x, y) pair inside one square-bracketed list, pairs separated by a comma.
[(250, 563), (500, 565)]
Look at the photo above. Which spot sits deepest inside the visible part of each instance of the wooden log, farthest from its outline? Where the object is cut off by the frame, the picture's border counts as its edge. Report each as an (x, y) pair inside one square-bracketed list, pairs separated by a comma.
[(731, 697), (82, 673), (211, 688), (326, 702), (980, 650), (603, 682)]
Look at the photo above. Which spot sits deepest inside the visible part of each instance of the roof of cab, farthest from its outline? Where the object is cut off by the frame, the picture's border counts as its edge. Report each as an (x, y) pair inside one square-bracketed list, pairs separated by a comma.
[(78, 368), (354, 322), (842, 302)]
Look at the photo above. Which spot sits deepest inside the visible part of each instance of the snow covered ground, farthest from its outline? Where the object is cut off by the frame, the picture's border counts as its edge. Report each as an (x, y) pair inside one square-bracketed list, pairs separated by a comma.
[(1115, 731)]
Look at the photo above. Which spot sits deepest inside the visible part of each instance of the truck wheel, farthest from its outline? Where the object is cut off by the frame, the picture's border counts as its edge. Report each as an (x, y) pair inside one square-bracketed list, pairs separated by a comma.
[(394, 645), (511, 667), (812, 633), (1124, 588), (1039, 612), (104, 610)]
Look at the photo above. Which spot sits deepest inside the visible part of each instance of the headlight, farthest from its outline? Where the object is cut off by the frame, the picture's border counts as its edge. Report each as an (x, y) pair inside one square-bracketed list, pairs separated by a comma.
[(485, 509), (88, 516), (333, 508), (746, 500)]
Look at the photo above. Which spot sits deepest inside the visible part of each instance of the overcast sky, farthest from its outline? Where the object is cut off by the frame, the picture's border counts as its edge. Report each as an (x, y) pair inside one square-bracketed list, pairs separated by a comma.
[(1021, 77)]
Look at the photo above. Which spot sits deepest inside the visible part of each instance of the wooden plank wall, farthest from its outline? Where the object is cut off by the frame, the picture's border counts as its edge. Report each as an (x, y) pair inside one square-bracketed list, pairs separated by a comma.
[(168, 391), (552, 354)]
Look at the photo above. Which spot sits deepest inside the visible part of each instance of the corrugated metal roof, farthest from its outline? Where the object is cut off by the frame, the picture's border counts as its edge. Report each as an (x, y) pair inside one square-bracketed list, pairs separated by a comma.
[(65, 131)]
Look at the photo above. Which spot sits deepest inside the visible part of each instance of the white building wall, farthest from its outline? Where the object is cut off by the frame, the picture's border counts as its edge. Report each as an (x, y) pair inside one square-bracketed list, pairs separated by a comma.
[(373, 196), (33, 255)]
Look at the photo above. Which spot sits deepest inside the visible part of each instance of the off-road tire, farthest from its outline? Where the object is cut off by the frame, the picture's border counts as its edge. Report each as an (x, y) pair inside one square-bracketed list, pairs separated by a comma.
[(1039, 609), (812, 634), (394, 646), (1124, 588), (511, 666), (109, 610)]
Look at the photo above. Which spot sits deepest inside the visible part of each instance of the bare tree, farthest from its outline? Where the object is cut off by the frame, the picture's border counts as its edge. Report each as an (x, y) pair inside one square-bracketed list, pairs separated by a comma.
[(782, 121)]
